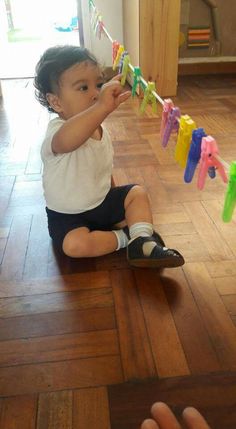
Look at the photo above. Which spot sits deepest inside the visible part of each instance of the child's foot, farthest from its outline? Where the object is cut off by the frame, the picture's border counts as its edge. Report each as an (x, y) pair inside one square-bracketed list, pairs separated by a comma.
[(155, 235), (146, 252)]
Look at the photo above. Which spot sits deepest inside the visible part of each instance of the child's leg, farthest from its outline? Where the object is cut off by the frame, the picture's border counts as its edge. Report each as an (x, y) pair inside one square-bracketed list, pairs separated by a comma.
[(81, 243), (143, 249)]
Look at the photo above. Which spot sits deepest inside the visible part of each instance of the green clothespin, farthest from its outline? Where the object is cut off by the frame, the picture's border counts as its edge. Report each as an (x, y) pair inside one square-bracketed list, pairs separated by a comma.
[(230, 197), (91, 4), (125, 69), (149, 98), (137, 80)]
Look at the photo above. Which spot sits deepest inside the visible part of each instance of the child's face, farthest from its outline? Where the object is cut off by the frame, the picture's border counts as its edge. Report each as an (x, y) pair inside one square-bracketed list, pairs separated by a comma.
[(79, 88)]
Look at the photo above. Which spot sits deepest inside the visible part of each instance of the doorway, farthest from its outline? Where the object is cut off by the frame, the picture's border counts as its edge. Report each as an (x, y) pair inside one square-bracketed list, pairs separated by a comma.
[(29, 27)]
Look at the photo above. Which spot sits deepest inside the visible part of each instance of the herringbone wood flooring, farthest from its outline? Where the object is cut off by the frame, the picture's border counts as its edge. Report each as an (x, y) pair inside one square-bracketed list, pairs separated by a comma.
[(71, 330)]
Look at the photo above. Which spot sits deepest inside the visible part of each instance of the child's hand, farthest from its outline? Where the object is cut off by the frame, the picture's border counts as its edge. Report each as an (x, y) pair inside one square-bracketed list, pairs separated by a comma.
[(112, 94)]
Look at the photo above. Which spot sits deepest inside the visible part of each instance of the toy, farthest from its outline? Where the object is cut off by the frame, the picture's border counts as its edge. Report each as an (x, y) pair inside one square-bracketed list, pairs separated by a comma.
[(194, 154), (209, 152), (172, 125), (137, 80), (149, 97), (168, 104), (186, 127), (230, 197)]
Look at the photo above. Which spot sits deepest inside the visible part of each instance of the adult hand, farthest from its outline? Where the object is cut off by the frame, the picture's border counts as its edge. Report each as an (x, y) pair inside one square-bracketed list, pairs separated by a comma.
[(163, 418)]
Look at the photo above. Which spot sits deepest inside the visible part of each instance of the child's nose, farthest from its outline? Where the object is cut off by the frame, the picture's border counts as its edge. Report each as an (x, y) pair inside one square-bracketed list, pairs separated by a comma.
[(95, 94)]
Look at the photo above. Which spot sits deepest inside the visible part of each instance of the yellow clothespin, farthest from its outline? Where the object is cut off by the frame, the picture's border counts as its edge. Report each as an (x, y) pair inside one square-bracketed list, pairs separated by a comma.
[(149, 97), (125, 69), (118, 55), (186, 127)]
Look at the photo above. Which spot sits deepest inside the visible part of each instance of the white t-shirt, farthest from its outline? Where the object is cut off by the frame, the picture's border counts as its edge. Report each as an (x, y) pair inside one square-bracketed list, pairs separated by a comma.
[(76, 181)]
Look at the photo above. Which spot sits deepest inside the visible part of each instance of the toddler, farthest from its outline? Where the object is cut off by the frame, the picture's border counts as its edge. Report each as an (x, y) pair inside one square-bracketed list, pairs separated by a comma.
[(88, 215)]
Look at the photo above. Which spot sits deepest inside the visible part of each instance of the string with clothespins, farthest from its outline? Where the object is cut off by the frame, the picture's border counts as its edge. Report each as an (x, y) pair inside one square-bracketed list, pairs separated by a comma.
[(193, 145)]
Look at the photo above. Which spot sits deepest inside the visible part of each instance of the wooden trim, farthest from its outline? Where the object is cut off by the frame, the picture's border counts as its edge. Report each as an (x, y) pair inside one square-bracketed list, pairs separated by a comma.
[(207, 68)]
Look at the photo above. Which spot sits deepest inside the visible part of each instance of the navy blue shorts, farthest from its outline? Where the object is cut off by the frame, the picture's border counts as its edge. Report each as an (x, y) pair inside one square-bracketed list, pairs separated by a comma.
[(102, 218)]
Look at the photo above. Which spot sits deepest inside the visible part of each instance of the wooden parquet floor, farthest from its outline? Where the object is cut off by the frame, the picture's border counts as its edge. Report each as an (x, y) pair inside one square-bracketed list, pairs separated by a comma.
[(92, 343)]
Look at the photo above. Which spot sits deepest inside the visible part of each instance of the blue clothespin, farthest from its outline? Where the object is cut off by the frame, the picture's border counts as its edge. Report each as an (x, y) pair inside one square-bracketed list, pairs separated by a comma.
[(123, 55), (194, 154)]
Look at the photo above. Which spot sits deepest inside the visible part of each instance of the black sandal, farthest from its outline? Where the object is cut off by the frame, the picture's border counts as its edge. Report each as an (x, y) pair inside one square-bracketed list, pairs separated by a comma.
[(160, 257)]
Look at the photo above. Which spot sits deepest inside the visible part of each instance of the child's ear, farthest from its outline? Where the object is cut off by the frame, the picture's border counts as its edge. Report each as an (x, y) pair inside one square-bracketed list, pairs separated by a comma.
[(54, 102)]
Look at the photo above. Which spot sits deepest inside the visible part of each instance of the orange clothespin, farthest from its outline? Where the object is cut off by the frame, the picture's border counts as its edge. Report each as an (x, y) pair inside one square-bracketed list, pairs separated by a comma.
[(115, 47), (186, 127), (209, 152), (118, 56), (149, 97), (168, 104)]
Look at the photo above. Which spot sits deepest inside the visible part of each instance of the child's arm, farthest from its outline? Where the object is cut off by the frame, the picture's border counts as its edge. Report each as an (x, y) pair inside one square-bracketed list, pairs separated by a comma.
[(77, 129)]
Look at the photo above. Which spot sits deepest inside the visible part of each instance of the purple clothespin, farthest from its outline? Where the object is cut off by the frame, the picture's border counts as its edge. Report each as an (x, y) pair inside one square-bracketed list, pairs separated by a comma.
[(172, 125), (194, 154)]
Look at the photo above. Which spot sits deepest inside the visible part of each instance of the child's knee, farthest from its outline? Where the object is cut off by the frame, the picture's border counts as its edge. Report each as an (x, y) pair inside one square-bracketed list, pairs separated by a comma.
[(136, 191), (77, 246)]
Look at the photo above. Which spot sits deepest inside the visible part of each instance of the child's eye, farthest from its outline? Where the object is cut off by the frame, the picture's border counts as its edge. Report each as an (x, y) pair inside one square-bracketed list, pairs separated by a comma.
[(83, 88), (99, 85)]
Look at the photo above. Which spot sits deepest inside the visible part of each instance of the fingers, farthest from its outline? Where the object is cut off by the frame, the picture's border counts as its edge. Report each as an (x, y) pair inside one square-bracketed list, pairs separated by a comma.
[(164, 416), (149, 424), (124, 96), (193, 419)]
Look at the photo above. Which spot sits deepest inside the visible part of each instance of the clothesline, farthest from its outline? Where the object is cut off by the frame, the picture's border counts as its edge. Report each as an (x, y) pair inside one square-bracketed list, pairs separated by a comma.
[(215, 163)]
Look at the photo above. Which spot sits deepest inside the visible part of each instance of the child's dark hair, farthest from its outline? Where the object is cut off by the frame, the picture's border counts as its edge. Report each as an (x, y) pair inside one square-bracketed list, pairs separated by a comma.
[(52, 64)]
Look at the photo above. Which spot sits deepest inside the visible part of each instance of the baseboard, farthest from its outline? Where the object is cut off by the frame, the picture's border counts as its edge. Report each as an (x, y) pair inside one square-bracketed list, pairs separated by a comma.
[(207, 67)]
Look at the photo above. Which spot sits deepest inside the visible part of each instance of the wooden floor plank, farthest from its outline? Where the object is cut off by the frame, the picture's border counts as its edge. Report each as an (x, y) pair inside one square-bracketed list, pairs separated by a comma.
[(55, 410), (136, 355), (218, 322), (52, 302), (166, 346), (197, 345), (18, 412), (96, 418), (59, 348), (64, 375)]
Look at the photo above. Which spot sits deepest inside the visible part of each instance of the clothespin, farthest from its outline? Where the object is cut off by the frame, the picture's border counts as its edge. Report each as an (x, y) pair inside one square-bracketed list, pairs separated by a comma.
[(137, 80), (94, 20), (123, 55), (115, 47), (186, 127), (194, 154), (125, 69), (168, 104), (172, 125), (118, 55), (230, 197), (99, 27), (209, 151), (149, 97)]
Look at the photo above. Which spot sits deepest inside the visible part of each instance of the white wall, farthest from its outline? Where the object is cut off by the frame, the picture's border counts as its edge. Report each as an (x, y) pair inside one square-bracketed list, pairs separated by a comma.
[(111, 11)]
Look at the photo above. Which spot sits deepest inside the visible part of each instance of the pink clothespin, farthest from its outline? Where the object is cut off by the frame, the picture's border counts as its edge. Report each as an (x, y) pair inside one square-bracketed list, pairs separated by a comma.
[(168, 104), (172, 125), (99, 28), (209, 152)]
